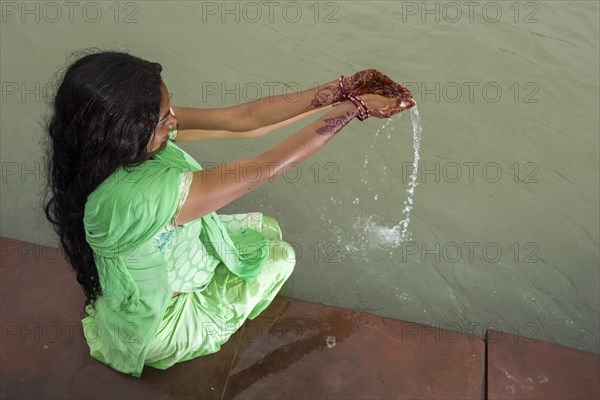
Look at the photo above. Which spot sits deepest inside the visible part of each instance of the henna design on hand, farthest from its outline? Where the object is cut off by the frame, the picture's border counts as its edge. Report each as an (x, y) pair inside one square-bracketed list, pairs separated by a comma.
[(372, 81), (335, 124)]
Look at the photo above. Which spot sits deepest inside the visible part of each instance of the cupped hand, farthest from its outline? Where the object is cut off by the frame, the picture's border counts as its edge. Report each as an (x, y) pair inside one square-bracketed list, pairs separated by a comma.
[(386, 106), (374, 82)]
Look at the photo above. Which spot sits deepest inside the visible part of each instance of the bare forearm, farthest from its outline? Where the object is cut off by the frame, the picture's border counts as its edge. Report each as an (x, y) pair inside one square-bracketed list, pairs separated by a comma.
[(199, 134), (273, 109), (292, 150), (308, 140)]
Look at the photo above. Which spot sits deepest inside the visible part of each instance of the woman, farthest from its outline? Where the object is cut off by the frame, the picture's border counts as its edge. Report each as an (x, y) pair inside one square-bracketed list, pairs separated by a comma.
[(166, 278)]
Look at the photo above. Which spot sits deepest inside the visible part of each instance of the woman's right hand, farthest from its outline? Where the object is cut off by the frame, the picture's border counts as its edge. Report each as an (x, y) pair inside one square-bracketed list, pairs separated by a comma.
[(386, 107)]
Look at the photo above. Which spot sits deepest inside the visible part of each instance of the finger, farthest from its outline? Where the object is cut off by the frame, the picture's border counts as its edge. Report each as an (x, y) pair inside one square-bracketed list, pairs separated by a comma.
[(386, 80), (403, 90), (389, 92), (408, 100)]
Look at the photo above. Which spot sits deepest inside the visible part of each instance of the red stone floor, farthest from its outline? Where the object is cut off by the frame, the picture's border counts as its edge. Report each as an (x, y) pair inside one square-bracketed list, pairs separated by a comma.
[(294, 349)]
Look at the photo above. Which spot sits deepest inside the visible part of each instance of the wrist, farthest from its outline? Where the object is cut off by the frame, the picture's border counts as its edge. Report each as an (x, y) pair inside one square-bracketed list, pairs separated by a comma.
[(363, 110), (327, 94), (335, 120), (344, 92), (356, 106), (340, 90), (347, 107)]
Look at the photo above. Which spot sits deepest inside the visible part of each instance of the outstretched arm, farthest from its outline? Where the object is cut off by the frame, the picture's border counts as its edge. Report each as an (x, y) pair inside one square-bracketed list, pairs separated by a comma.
[(267, 112), (256, 114), (200, 134)]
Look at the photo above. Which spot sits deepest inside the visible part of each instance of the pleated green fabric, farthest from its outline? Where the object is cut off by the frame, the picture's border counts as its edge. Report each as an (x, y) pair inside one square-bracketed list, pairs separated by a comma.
[(221, 308), (135, 312)]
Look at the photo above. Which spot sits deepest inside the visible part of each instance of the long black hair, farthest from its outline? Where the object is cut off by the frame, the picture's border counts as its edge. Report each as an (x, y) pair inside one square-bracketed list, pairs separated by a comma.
[(103, 114)]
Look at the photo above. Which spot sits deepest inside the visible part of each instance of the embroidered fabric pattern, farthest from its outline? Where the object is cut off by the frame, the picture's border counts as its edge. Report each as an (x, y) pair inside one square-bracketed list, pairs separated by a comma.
[(164, 238), (240, 222), (166, 235), (255, 220)]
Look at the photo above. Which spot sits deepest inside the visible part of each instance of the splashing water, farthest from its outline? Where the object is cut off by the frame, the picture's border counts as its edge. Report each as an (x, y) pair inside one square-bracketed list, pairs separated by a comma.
[(408, 204), (386, 127), (396, 235)]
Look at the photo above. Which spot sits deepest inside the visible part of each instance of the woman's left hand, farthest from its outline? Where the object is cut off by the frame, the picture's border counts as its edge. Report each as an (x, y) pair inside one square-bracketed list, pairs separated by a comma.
[(372, 81)]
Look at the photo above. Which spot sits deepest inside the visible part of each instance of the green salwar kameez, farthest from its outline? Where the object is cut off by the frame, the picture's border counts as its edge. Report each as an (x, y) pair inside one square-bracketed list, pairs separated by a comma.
[(227, 268)]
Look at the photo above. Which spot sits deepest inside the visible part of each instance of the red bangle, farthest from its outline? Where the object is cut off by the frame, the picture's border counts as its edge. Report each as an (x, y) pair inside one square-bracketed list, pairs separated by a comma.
[(363, 110), (361, 114), (342, 90)]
